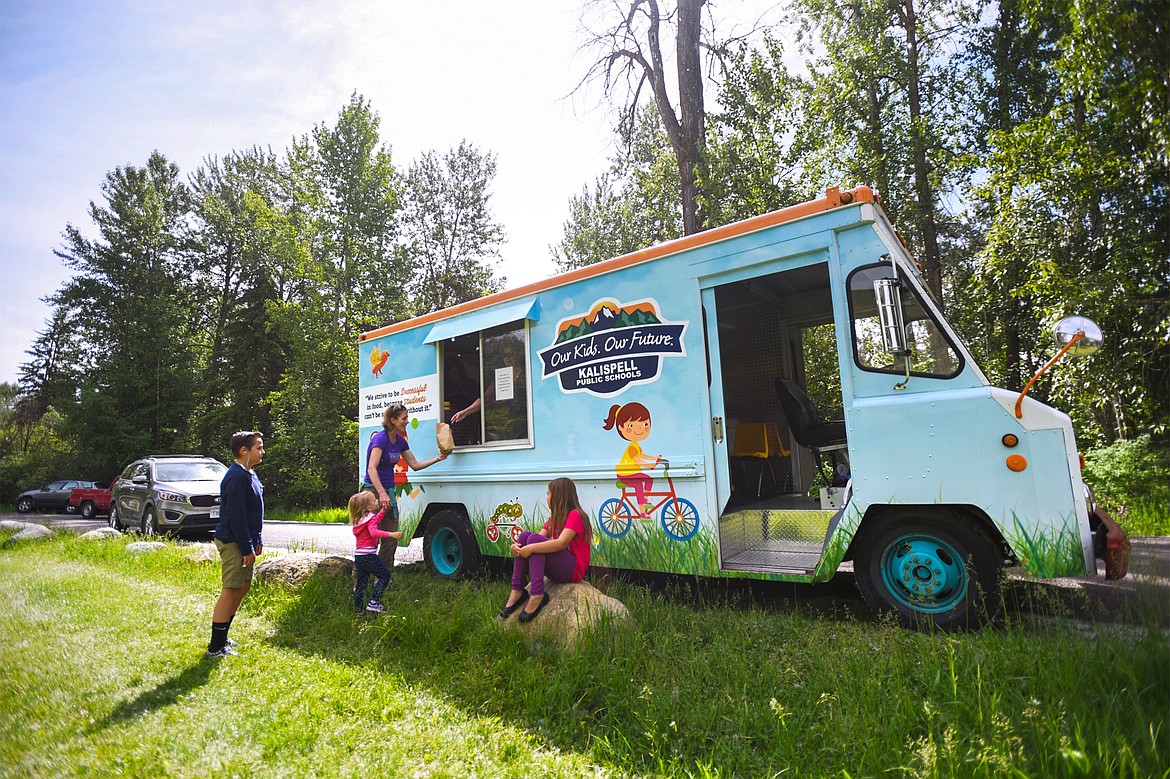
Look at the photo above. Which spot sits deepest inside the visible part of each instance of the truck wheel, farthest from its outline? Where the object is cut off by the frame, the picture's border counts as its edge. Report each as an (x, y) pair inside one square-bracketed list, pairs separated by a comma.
[(449, 546), (113, 518), (88, 509), (930, 569), (149, 526), (24, 505)]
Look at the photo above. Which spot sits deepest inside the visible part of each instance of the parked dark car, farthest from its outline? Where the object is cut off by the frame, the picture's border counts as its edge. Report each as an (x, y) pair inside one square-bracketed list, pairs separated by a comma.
[(167, 494), (53, 496)]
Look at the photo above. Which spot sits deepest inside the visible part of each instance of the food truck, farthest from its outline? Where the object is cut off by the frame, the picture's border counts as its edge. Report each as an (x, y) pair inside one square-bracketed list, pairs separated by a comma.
[(675, 385)]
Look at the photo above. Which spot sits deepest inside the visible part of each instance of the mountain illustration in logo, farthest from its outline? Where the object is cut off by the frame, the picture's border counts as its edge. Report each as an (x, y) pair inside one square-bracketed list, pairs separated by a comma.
[(607, 315)]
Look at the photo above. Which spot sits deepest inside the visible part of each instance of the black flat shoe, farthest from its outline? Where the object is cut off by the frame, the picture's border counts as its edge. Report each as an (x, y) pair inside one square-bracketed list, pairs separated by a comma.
[(528, 616), (508, 611)]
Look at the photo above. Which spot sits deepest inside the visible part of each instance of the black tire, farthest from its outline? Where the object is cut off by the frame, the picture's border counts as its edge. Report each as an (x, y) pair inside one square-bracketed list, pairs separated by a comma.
[(88, 509), (113, 517), (930, 569), (24, 505), (449, 546), (149, 526)]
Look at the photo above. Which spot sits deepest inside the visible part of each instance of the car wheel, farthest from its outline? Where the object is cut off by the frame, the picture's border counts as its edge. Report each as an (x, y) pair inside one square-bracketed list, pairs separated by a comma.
[(113, 518), (930, 569), (24, 505), (149, 526), (449, 546), (88, 509)]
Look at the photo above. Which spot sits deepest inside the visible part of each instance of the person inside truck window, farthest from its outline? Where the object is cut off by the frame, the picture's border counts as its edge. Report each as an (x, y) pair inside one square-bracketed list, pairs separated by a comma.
[(461, 393), (632, 422), (505, 408), (560, 551)]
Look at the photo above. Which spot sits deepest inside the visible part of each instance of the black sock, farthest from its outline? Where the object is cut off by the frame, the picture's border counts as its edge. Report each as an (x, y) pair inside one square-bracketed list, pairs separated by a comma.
[(219, 632)]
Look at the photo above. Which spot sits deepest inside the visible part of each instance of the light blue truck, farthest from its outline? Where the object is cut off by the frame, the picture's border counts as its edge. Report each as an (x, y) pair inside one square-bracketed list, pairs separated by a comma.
[(673, 386)]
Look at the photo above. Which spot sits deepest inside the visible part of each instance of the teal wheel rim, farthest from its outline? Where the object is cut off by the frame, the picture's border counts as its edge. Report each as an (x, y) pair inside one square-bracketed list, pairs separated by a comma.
[(446, 553), (924, 573)]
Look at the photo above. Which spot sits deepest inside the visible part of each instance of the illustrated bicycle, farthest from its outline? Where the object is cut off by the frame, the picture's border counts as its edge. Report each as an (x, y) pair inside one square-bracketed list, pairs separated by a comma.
[(680, 518)]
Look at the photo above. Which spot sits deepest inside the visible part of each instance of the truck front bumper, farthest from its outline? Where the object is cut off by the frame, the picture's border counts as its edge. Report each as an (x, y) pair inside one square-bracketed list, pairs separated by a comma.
[(1111, 544)]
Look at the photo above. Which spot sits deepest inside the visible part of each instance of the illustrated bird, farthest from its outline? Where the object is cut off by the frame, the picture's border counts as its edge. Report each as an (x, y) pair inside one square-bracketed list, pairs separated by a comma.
[(378, 359)]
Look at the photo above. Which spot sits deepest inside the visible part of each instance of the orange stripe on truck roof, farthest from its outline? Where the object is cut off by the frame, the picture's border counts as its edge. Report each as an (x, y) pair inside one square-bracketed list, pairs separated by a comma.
[(834, 198)]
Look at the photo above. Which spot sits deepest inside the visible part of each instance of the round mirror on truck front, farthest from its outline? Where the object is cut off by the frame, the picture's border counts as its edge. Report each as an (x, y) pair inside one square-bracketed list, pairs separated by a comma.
[(1067, 329)]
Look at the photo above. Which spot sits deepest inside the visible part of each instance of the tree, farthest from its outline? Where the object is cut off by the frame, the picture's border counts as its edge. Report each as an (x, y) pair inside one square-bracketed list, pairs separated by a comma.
[(631, 58), (881, 106), (1080, 195), (345, 204), (448, 233), (750, 163), (631, 206), (132, 314), (249, 257)]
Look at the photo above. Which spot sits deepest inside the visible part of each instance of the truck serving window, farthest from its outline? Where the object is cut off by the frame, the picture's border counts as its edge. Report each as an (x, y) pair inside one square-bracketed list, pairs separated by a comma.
[(931, 353), (486, 383)]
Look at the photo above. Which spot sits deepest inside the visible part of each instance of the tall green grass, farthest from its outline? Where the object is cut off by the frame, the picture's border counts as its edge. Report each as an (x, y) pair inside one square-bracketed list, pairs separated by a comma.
[(326, 516), (103, 675)]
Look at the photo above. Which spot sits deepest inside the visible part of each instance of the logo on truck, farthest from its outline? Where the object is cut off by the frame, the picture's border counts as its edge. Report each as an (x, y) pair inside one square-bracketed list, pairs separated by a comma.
[(612, 347)]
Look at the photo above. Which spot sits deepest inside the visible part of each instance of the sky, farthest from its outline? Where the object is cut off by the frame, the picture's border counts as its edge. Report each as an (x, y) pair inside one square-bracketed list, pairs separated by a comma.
[(88, 86)]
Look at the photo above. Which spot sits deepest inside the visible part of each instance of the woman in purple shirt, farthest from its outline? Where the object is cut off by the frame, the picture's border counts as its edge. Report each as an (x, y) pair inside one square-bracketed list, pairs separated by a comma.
[(387, 446)]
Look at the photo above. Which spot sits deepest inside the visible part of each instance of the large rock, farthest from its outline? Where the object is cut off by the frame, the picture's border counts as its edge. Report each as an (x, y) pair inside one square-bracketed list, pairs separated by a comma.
[(11, 524), (294, 569), (100, 533), (572, 611), (144, 547), (205, 553), (30, 532)]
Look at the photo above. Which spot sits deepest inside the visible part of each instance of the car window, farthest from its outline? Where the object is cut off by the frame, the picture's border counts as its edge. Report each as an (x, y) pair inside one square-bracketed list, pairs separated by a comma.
[(70, 485), (55, 485), (189, 471)]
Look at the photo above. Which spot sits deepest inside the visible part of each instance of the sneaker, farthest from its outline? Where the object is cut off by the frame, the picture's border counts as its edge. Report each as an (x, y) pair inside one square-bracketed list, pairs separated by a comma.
[(231, 642), (227, 651), (375, 606)]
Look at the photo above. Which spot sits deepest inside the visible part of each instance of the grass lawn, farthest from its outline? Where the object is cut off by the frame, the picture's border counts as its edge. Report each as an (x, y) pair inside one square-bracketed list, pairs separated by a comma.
[(102, 651)]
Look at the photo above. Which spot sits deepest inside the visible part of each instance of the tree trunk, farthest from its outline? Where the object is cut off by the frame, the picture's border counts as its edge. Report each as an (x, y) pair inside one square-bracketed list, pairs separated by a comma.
[(922, 188), (692, 113)]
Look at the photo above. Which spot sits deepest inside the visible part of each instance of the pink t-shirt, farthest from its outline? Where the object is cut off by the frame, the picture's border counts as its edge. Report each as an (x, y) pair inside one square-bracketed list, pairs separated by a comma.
[(579, 546), (367, 533)]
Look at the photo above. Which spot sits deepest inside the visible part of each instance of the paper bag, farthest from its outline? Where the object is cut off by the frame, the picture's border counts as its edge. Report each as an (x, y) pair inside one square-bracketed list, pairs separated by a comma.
[(444, 439)]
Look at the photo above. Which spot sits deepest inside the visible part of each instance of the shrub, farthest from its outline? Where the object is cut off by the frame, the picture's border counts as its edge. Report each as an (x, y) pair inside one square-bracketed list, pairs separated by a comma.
[(1131, 479)]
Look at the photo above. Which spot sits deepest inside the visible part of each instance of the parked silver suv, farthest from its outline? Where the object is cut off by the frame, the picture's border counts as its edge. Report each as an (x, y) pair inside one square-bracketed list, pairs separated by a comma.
[(167, 494)]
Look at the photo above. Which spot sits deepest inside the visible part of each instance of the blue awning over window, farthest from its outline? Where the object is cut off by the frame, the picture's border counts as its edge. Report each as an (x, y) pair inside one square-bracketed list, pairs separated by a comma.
[(482, 320)]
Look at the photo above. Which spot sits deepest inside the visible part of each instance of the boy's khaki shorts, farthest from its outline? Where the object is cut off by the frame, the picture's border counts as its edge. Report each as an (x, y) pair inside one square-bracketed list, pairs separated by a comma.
[(231, 562)]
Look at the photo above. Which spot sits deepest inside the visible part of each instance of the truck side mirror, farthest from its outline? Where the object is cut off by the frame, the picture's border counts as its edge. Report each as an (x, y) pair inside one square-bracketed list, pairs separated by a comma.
[(889, 304), (1075, 335), (1065, 331)]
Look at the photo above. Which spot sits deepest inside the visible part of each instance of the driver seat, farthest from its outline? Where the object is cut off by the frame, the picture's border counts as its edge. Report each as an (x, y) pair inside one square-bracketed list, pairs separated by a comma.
[(808, 429)]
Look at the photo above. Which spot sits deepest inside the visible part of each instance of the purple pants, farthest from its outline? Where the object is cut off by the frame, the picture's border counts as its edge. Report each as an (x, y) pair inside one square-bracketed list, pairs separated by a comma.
[(558, 566)]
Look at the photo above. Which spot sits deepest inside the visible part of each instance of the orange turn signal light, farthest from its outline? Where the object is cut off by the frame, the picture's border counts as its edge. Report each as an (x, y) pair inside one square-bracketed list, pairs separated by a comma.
[(1017, 462), (1009, 440)]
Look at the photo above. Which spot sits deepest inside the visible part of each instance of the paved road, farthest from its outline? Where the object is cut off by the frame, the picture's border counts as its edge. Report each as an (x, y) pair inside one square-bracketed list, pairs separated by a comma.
[(301, 536), (1146, 591)]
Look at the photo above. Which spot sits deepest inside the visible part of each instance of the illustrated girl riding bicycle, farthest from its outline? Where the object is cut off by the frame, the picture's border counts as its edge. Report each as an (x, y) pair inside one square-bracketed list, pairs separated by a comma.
[(680, 518)]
